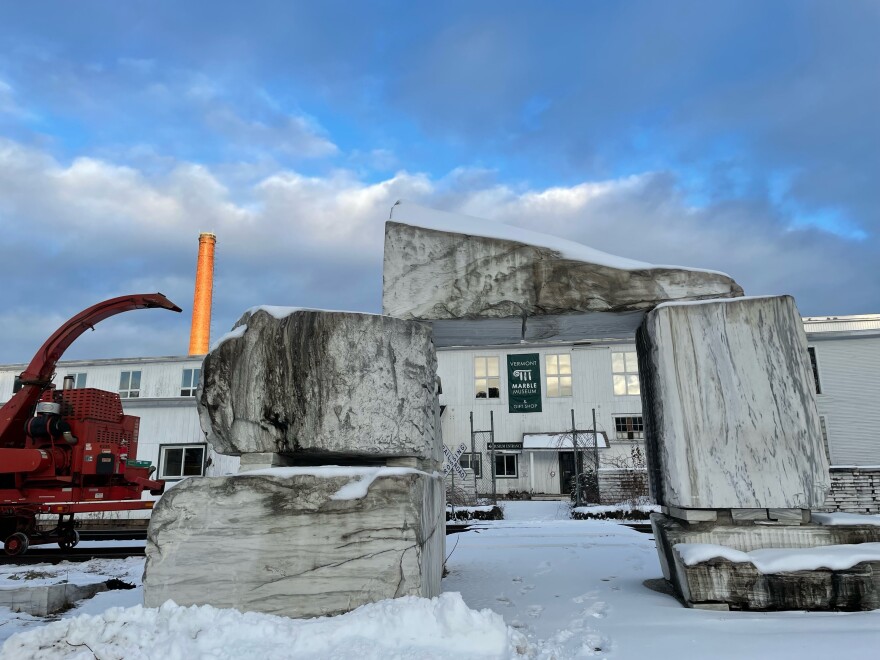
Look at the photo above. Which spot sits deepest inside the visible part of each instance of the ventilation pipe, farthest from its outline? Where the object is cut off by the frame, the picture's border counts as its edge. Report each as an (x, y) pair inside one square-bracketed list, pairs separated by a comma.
[(200, 333)]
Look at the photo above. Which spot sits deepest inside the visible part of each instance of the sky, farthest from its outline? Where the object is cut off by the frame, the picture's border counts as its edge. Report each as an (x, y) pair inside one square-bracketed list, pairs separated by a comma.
[(736, 136)]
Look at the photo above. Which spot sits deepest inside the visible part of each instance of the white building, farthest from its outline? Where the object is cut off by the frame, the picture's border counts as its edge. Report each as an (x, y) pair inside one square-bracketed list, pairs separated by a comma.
[(584, 362)]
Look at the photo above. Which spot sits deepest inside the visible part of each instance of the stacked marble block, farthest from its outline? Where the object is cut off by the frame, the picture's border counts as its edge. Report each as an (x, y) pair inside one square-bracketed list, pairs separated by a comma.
[(736, 457), (338, 502)]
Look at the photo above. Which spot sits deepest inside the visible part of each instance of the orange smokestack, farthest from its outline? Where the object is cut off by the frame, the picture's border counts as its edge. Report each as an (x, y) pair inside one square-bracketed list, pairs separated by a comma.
[(200, 333)]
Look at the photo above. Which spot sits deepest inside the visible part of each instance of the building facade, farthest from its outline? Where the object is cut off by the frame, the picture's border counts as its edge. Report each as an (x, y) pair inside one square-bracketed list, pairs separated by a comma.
[(513, 392)]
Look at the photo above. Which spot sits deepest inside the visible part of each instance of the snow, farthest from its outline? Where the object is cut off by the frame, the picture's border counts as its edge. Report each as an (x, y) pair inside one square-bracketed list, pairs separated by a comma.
[(784, 560), (414, 215), (613, 508), (235, 333), (844, 519), (362, 477), (573, 589), (281, 313), (682, 303)]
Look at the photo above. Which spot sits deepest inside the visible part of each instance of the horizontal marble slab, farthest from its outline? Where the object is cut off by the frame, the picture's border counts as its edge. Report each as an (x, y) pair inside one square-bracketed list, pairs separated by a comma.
[(297, 542)]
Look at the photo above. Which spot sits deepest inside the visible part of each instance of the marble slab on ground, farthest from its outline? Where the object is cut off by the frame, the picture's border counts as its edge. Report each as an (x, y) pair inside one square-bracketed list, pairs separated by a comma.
[(329, 384), (446, 266), (730, 407), (729, 581), (297, 542)]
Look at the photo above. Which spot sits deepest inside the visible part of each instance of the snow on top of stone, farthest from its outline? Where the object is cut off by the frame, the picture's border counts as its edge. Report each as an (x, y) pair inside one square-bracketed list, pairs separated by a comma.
[(709, 301), (845, 519), (415, 215), (361, 477), (783, 560), (280, 312), (235, 333)]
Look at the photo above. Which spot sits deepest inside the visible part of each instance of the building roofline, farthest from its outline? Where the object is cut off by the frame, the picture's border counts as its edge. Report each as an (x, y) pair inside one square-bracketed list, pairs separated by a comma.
[(113, 361)]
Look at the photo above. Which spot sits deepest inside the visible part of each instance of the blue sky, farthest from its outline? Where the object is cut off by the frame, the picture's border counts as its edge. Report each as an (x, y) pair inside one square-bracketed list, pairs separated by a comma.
[(739, 136)]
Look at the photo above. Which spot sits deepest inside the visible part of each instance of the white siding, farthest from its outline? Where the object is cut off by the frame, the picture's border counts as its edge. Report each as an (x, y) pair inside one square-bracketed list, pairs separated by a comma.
[(849, 374), (591, 388)]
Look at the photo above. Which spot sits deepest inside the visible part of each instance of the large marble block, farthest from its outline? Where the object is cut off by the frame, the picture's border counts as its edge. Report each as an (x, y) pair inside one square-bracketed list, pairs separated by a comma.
[(445, 266), (730, 406), (329, 385), (297, 542)]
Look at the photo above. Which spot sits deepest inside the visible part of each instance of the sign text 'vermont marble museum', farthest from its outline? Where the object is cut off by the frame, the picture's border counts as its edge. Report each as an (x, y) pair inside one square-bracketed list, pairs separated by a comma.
[(531, 351)]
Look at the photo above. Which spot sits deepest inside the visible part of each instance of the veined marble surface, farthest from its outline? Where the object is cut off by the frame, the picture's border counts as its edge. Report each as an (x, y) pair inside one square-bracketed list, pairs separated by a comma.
[(297, 545), (434, 274), (333, 384), (730, 406)]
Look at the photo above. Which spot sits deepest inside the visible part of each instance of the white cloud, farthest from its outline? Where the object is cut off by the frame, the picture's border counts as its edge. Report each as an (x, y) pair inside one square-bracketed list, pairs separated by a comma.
[(80, 232)]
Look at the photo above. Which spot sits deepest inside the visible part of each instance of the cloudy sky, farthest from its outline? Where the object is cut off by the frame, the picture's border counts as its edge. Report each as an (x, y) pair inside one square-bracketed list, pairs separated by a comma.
[(738, 136)]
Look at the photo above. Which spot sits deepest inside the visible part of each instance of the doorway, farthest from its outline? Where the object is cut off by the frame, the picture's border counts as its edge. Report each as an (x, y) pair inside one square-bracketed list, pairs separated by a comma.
[(566, 471)]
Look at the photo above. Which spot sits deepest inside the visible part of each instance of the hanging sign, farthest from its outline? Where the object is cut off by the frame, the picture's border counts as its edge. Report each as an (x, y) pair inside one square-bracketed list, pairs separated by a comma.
[(524, 383)]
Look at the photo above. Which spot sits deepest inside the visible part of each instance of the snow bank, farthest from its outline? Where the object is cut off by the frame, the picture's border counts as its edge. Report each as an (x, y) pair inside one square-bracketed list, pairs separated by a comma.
[(844, 519), (783, 560), (414, 215), (623, 511), (409, 627)]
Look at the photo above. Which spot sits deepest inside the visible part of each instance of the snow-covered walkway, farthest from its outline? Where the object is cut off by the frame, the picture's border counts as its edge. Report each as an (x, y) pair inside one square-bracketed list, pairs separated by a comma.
[(573, 588)]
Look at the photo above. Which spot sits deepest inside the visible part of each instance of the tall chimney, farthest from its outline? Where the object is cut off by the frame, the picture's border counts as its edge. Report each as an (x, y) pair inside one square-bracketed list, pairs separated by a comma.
[(200, 333)]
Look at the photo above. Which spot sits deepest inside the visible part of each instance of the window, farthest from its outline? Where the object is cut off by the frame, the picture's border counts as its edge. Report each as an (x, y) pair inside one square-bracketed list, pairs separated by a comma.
[(487, 382), (815, 365), (625, 370), (130, 384), (824, 428), (558, 375), (179, 461), (472, 461), (505, 465), (190, 382), (629, 428), (79, 380)]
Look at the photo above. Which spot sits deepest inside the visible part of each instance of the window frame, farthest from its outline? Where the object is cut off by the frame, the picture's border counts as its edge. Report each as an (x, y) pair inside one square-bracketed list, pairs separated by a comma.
[(130, 392), (184, 446), (632, 433), (626, 374), (76, 379), (814, 367), (557, 376), (190, 389), (479, 462), (487, 378), (515, 474)]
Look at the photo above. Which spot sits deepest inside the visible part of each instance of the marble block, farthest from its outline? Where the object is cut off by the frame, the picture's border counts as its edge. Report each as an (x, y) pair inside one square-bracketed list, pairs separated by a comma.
[(297, 542), (730, 407), (329, 386), (724, 579), (446, 266)]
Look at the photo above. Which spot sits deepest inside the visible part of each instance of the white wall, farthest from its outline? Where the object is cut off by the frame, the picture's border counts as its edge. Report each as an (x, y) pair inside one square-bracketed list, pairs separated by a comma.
[(849, 374), (591, 388)]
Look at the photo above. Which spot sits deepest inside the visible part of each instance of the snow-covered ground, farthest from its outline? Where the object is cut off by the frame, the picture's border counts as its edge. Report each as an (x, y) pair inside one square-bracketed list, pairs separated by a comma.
[(571, 588)]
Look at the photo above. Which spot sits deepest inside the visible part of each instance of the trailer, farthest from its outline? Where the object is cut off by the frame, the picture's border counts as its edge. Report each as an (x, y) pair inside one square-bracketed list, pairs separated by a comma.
[(69, 451)]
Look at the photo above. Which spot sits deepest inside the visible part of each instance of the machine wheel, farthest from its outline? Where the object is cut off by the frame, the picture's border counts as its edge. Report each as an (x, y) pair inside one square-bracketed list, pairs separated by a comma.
[(17, 544), (69, 540)]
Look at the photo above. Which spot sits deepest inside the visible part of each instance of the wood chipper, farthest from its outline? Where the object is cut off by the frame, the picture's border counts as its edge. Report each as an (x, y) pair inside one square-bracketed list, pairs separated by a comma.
[(69, 451)]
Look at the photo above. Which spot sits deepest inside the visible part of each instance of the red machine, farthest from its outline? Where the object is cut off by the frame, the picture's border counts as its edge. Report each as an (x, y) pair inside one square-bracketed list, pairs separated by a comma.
[(69, 451)]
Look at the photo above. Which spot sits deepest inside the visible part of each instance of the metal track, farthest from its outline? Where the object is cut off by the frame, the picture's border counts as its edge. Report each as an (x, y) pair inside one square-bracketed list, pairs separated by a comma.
[(57, 555)]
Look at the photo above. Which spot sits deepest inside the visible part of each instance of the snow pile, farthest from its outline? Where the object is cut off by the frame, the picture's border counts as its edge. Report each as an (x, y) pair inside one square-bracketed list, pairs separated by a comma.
[(784, 560), (844, 519), (409, 627), (80, 573)]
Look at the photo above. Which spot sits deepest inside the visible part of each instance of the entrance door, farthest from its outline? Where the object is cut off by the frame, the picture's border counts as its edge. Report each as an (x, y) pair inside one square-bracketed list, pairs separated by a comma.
[(566, 471)]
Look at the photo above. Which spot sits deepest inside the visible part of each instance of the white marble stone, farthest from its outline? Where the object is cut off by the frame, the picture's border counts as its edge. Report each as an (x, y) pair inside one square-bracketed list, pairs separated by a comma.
[(445, 266), (297, 542), (730, 407), (330, 385)]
